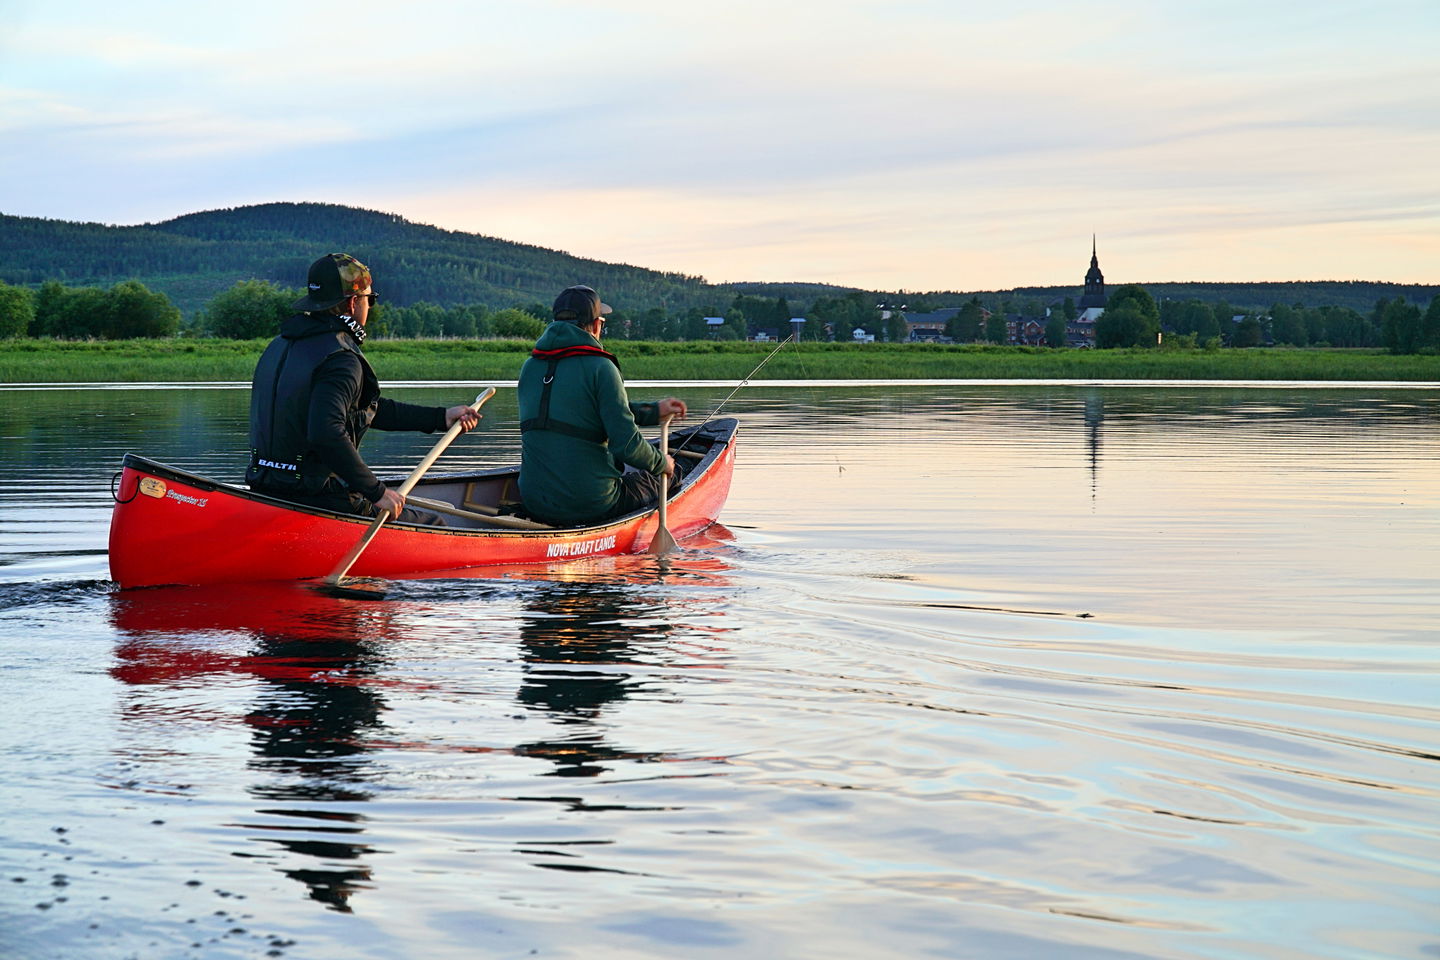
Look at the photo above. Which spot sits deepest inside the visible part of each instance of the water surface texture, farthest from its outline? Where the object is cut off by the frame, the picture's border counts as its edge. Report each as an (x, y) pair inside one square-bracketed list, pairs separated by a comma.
[(968, 672)]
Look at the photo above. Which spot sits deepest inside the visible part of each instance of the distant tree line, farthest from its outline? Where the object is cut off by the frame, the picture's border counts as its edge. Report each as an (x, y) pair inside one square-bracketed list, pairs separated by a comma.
[(125, 311), (1397, 325), (193, 258), (1134, 318), (1358, 295), (255, 308)]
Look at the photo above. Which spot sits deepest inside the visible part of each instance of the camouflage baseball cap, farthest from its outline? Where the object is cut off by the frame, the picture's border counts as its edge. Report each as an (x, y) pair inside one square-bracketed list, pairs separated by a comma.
[(333, 278)]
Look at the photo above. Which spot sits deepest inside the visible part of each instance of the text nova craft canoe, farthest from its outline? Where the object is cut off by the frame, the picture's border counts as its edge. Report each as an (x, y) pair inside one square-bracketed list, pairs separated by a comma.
[(174, 527)]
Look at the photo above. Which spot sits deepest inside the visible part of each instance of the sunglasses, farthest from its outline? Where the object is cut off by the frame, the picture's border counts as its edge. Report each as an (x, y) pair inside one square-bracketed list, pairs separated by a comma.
[(369, 297)]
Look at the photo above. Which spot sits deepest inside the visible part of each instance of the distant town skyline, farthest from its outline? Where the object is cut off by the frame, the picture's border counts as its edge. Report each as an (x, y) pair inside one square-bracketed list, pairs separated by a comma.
[(891, 146)]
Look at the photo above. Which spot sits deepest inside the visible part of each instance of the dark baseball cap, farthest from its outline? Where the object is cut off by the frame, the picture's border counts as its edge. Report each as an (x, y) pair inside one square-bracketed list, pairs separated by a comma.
[(333, 278), (579, 305)]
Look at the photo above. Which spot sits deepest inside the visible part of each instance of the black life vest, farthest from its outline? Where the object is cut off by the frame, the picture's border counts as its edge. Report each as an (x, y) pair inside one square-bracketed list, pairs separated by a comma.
[(280, 456), (546, 422)]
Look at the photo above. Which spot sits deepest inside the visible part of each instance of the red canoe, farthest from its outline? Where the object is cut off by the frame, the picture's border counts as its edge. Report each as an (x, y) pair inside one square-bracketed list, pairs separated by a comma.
[(174, 527)]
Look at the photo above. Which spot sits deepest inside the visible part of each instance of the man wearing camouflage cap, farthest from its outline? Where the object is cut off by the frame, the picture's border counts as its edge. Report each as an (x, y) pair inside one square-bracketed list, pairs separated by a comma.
[(314, 396)]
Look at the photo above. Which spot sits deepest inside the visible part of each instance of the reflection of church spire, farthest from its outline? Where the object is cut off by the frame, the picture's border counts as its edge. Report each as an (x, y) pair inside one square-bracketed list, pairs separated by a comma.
[(1094, 417), (1094, 295)]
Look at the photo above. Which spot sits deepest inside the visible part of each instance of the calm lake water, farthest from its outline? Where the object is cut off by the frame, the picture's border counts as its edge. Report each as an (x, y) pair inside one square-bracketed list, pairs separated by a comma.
[(969, 672)]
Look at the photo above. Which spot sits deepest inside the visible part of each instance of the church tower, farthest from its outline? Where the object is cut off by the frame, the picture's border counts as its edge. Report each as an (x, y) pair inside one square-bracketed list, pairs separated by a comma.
[(1094, 295)]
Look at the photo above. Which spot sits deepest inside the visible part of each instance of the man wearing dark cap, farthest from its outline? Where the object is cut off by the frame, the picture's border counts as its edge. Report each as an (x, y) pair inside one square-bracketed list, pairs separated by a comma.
[(314, 396), (578, 428)]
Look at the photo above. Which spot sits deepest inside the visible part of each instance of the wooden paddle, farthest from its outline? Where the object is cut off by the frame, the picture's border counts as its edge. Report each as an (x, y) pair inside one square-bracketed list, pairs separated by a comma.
[(332, 583), (662, 543)]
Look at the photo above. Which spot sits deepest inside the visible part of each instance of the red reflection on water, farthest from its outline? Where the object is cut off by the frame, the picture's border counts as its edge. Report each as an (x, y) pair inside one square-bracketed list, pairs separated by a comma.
[(314, 674), (173, 633)]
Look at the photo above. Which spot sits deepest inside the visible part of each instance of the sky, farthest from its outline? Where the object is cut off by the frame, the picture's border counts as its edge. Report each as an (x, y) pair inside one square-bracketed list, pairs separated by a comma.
[(909, 145)]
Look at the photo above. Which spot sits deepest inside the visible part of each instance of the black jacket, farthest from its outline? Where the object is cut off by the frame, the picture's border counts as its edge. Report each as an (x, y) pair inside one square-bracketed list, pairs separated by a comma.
[(311, 401)]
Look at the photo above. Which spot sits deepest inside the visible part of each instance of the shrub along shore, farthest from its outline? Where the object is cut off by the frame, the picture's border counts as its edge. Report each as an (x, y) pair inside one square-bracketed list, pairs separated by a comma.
[(184, 359)]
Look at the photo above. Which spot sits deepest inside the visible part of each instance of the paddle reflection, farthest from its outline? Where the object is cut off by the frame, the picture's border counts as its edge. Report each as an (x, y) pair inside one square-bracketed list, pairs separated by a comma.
[(314, 663)]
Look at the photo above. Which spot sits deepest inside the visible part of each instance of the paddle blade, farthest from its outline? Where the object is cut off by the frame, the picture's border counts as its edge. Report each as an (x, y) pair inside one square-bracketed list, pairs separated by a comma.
[(662, 543), (355, 588)]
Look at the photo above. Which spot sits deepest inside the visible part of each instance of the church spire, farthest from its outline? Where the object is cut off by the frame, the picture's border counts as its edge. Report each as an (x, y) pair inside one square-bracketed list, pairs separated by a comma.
[(1094, 295)]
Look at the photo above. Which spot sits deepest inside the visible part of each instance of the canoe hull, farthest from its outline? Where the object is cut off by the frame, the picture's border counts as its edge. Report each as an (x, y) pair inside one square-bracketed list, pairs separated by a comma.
[(173, 527)]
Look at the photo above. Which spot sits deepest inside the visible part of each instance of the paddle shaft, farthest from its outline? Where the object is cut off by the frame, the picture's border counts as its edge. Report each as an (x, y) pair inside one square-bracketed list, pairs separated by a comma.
[(663, 542), (349, 560)]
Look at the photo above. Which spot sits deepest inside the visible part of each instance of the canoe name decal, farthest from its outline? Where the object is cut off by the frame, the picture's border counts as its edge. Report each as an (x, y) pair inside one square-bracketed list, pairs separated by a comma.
[(580, 548), (182, 498)]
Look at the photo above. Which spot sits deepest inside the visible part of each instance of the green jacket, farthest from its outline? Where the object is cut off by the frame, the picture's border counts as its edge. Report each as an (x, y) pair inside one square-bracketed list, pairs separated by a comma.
[(569, 480)]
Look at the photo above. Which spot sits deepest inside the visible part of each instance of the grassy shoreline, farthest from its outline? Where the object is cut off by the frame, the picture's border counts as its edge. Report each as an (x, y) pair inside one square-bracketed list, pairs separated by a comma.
[(180, 360)]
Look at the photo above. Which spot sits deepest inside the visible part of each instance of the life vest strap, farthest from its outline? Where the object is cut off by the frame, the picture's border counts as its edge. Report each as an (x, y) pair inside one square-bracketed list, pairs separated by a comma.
[(544, 421)]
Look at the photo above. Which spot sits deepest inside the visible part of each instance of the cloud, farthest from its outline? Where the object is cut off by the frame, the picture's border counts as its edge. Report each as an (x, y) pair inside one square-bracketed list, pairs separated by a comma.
[(915, 143)]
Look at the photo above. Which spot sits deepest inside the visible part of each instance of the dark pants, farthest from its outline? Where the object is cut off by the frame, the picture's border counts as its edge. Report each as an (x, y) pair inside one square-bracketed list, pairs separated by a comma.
[(638, 488)]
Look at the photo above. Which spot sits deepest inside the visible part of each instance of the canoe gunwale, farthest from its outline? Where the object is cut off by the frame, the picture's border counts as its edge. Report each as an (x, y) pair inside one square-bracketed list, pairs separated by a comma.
[(721, 439)]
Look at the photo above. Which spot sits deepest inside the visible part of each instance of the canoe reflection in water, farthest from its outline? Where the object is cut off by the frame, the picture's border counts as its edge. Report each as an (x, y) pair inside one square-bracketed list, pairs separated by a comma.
[(312, 669), (313, 678)]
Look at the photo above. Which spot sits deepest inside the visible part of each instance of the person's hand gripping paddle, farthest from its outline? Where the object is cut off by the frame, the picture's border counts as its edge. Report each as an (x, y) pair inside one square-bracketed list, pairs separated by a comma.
[(368, 588)]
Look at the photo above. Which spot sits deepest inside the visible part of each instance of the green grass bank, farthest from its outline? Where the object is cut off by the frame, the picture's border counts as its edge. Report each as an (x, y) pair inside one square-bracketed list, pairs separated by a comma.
[(50, 361)]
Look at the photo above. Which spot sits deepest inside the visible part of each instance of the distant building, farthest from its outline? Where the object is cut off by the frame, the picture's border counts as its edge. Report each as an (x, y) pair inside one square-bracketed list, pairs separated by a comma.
[(1092, 301), (1080, 332), (928, 326), (1027, 331)]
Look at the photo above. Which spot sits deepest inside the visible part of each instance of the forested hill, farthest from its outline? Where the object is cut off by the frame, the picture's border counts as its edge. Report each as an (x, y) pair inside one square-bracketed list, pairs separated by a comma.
[(194, 257)]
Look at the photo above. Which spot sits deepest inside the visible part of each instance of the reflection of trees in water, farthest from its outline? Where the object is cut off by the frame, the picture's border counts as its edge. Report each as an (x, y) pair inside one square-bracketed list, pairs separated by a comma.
[(197, 429), (576, 641), (1188, 410), (307, 729)]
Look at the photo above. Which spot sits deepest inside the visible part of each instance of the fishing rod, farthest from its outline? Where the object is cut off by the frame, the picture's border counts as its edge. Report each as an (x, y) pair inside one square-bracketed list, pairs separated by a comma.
[(742, 383)]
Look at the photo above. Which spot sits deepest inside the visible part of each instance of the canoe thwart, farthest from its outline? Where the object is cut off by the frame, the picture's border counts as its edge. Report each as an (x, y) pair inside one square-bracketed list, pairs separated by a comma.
[(440, 506)]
